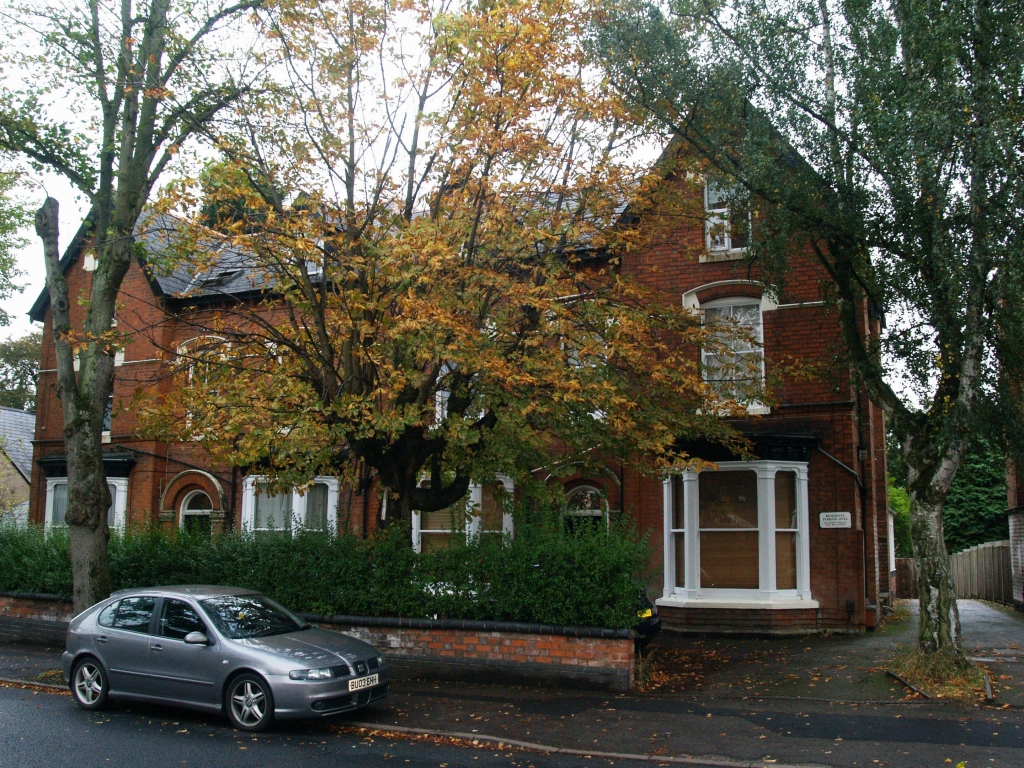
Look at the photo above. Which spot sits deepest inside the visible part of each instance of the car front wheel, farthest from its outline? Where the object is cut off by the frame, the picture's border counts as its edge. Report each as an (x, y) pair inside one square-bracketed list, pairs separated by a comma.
[(89, 684), (249, 704)]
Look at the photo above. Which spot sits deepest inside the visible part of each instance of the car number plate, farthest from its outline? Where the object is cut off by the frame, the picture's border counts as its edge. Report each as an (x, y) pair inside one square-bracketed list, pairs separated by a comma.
[(362, 682)]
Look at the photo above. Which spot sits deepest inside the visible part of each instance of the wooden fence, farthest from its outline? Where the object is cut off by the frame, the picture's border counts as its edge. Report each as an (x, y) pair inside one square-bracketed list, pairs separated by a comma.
[(981, 572)]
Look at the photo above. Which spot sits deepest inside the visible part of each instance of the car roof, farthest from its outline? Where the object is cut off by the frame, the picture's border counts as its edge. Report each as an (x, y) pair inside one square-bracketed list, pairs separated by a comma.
[(185, 590)]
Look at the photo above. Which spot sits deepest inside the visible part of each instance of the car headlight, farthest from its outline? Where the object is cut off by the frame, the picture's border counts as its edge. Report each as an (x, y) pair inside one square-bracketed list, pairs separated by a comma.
[(311, 674)]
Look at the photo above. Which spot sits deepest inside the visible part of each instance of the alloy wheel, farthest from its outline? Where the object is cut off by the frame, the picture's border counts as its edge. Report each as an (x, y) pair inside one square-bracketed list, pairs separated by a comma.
[(249, 703), (89, 685)]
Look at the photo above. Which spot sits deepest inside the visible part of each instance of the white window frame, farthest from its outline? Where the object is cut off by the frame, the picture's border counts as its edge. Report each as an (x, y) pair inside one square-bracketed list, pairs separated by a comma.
[(603, 512), (691, 594), (183, 513), (474, 502), (120, 500), (754, 407), (719, 217), (298, 504)]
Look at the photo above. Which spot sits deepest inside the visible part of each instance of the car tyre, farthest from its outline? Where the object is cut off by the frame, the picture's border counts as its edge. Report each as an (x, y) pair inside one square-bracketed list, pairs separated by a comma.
[(89, 685), (249, 703)]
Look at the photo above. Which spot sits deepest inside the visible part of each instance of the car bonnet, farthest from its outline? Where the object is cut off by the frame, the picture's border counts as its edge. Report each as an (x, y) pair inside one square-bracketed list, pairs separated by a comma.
[(312, 648)]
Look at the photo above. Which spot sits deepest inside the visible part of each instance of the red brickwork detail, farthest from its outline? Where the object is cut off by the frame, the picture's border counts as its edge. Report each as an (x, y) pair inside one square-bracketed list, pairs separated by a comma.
[(603, 655), (30, 608)]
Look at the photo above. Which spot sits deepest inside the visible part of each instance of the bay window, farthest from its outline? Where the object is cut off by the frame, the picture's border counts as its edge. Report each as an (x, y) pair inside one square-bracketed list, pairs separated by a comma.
[(738, 536)]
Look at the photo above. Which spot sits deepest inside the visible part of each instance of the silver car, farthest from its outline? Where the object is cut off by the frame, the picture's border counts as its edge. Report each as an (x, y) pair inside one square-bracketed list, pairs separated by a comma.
[(219, 649)]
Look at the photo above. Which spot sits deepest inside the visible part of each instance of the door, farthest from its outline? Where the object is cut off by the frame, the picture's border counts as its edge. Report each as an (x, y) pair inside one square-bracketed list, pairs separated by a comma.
[(181, 671), (124, 645)]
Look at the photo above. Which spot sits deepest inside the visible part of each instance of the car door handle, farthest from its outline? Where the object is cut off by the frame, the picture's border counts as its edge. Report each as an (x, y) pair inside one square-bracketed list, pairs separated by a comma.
[(156, 647), (101, 639)]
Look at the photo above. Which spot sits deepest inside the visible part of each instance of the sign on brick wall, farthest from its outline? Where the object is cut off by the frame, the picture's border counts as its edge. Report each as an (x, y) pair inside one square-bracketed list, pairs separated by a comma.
[(835, 520)]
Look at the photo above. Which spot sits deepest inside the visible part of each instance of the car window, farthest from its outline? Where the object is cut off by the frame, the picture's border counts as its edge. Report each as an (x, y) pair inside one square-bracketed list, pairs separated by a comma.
[(178, 618), (240, 616), (106, 617), (134, 613)]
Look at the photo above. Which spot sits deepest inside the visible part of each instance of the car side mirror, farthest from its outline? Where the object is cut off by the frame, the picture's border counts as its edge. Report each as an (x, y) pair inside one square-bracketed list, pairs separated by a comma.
[(197, 638)]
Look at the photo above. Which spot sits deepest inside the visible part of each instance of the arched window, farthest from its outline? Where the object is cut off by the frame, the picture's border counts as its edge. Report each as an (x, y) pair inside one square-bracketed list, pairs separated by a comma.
[(195, 357), (585, 505), (196, 509)]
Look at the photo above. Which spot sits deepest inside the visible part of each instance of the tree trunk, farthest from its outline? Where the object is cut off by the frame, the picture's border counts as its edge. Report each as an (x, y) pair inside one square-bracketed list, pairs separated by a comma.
[(83, 399), (939, 627)]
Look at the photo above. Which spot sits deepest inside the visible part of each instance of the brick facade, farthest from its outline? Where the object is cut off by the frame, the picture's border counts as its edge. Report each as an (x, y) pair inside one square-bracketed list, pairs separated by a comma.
[(849, 574)]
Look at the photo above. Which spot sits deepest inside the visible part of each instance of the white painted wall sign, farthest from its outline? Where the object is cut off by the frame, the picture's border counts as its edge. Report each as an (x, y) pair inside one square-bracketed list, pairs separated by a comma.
[(835, 520)]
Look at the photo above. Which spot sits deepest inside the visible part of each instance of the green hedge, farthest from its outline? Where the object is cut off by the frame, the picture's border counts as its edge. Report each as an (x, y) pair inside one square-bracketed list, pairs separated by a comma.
[(542, 575)]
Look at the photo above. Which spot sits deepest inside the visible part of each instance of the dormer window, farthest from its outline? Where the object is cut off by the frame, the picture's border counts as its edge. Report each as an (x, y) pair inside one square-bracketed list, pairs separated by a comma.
[(726, 234)]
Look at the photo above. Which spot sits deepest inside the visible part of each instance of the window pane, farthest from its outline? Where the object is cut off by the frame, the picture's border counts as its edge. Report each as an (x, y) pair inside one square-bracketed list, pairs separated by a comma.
[(60, 503), (134, 613), (106, 617), (198, 524), (679, 508), (316, 507), (729, 560), (728, 499), (785, 499), (179, 619), (716, 196), (680, 559), (440, 520), (273, 513), (491, 510), (199, 501), (113, 504), (431, 541), (785, 560)]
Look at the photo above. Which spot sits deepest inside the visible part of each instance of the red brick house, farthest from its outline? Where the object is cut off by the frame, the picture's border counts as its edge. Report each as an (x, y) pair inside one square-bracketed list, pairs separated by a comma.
[(795, 541)]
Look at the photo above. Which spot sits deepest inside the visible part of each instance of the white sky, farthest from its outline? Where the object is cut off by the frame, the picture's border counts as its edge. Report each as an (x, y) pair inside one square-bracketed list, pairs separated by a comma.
[(73, 207)]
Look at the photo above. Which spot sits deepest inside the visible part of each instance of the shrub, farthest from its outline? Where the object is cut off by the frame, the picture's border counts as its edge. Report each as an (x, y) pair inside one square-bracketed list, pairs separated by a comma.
[(543, 574)]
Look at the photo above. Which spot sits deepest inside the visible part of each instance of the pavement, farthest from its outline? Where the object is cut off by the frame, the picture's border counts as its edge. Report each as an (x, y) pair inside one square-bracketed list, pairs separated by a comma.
[(794, 701)]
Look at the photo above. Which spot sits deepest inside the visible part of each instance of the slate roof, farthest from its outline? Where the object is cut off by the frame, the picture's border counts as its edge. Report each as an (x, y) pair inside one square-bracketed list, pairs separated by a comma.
[(227, 271), (17, 428)]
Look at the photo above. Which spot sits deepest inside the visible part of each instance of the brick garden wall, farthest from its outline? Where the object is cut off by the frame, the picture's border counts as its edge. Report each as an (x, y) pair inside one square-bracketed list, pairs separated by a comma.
[(39, 619), (500, 651), (503, 655)]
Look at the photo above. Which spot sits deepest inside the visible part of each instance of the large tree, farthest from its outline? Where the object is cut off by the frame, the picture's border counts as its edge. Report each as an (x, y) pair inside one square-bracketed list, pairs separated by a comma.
[(432, 203), (884, 136), (13, 217), (106, 94), (19, 371)]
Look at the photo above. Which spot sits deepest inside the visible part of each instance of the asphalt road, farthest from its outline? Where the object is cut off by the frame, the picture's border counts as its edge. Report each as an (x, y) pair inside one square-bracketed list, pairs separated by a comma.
[(49, 731)]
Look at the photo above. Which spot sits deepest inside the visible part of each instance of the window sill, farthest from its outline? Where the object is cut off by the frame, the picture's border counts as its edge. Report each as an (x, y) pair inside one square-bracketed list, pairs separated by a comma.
[(789, 604), (712, 256)]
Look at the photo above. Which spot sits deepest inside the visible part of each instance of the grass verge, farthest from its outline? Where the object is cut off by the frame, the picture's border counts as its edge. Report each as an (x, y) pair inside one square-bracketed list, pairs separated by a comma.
[(940, 675)]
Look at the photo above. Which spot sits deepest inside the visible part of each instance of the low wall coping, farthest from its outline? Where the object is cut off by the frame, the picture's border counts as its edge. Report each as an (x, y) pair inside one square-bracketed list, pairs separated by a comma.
[(525, 628), (36, 596)]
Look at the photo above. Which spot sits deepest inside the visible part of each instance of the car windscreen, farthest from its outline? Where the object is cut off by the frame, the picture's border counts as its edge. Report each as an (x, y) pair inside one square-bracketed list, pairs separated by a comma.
[(242, 616)]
